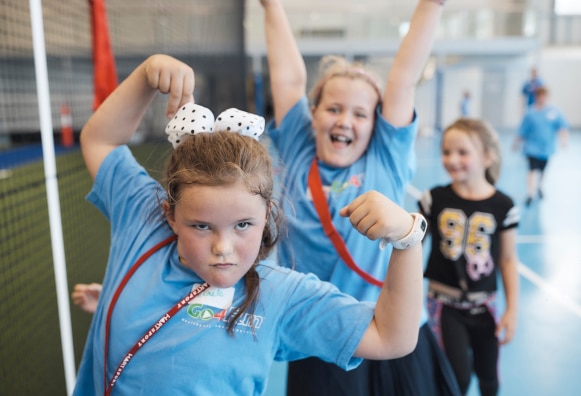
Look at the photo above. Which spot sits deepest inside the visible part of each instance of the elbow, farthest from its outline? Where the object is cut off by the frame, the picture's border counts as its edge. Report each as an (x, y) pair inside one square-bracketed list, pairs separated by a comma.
[(407, 346)]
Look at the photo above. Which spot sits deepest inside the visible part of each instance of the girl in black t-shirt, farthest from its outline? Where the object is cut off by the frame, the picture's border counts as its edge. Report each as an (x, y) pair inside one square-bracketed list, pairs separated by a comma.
[(473, 227)]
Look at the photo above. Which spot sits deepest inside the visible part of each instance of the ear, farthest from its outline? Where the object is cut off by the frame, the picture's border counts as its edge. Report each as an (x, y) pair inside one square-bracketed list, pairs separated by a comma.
[(489, 158), (169, 215)]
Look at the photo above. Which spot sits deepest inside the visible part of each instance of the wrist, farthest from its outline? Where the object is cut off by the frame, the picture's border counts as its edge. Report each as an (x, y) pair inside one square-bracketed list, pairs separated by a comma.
[(412, 238)]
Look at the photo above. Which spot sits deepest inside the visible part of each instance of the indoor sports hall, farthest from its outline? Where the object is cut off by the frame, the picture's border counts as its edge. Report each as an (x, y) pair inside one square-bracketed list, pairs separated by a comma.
[(58, 58)]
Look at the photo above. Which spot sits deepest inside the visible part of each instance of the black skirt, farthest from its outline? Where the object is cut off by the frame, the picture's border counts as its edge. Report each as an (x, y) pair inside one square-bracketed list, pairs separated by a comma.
[(424, 372)]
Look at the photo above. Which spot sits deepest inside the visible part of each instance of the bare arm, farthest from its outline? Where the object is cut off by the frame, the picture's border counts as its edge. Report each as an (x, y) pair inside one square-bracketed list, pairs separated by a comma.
[(564, 137), (393, 332), (509, 271), (115, 121), (288, 76), (411, 57)]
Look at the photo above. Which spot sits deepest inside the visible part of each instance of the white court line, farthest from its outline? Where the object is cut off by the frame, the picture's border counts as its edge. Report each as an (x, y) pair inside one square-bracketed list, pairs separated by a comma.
[(525, 271), (546, 238), (414, 192), (549, 289)]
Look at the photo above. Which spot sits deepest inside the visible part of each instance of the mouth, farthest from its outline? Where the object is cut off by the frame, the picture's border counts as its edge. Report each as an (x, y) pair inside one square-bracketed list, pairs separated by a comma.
[(341, 139), (222, 265)]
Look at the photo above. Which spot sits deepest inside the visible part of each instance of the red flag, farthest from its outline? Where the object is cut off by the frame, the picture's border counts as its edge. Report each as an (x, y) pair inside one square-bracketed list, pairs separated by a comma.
[(105, 73)]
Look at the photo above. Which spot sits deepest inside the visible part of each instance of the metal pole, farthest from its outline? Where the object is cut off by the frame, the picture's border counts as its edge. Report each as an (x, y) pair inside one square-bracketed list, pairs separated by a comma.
[(52, 193)]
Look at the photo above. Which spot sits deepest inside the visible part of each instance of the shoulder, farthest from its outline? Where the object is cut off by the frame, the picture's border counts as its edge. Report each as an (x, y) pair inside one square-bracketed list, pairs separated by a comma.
[(433, 195), (382, 124), (509, 211), (300, 111), (441, 191)]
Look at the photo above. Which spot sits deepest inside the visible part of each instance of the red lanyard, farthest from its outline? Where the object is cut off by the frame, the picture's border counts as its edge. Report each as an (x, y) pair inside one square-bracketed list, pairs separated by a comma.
[(320, 202), (156, 326)]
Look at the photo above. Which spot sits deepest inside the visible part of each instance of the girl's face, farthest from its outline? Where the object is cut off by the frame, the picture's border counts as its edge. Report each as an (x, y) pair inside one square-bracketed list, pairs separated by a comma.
[(343, 120), (463, 157), (219, 231)]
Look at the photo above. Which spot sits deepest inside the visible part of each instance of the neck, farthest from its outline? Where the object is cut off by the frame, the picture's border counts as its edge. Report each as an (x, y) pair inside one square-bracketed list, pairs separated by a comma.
[(474, 191)]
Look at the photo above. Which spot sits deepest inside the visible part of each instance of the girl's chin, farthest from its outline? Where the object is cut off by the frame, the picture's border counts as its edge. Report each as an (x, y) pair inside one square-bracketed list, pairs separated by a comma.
[(338, 160)]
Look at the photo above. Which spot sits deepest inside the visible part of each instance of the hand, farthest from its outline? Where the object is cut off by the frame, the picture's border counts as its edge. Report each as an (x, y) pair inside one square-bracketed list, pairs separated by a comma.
[(86, 296), (506, 325), (169, 75), (376, 217), (563, 138), (267, 2)]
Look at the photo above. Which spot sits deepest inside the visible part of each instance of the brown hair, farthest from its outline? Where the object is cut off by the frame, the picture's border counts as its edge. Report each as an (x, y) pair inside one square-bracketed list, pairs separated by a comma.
[(541, 91), (488, 136), (332, 66), (225, 158)]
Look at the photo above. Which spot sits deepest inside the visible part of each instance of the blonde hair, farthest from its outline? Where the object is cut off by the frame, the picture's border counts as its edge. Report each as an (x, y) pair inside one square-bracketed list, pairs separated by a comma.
[(221, 159), (488, 137), (332, 66)]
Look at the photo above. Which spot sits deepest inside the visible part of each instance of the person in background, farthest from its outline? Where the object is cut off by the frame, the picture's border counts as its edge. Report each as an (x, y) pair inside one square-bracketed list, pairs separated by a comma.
[(529, 88), (350, 137), (465, 104), (473, 227), (539, 130), (190, 302)]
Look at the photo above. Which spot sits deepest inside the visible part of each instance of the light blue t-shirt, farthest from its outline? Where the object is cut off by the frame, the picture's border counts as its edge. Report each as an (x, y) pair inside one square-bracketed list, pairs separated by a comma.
[(539, 129), (387, 166), (296, 315)]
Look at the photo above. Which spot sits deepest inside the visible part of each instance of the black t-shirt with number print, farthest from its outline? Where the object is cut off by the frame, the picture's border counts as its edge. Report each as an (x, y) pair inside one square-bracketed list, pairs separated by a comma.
[(468, 232)]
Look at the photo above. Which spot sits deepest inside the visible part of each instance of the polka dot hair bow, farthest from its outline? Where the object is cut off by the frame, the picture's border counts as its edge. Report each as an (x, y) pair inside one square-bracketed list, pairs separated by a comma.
[(192, 118)]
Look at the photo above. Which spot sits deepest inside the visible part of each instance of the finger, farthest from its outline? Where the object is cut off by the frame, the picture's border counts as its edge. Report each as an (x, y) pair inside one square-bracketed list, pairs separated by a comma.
[(181, 92), (348, 210), (344, 211)]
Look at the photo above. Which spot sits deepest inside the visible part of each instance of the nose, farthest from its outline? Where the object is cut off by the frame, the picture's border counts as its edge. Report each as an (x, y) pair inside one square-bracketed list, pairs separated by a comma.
[(222, 245), (344, 121)]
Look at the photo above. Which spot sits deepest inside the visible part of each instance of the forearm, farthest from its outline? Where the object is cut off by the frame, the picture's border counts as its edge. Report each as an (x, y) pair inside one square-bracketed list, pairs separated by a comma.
[(510, 281), (564, 137), (115, 121), (288, 76), (409, 62), (112, 126)]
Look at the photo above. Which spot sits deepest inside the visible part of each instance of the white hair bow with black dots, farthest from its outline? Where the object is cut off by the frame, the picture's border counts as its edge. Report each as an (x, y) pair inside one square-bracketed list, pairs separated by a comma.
[(192, 118)]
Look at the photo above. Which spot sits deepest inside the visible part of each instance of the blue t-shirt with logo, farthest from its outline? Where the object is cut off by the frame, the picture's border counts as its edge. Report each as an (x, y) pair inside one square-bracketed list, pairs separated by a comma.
[(296, 315), (387, 166)]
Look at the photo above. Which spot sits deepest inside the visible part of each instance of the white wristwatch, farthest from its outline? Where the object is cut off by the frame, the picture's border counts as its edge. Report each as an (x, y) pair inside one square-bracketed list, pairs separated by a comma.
[(414, 237)]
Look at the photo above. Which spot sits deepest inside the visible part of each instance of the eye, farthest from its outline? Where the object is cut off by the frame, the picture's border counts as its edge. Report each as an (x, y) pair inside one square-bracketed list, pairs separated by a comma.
[(333, 110), (243, 225), (201, 227), (360, 115)]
